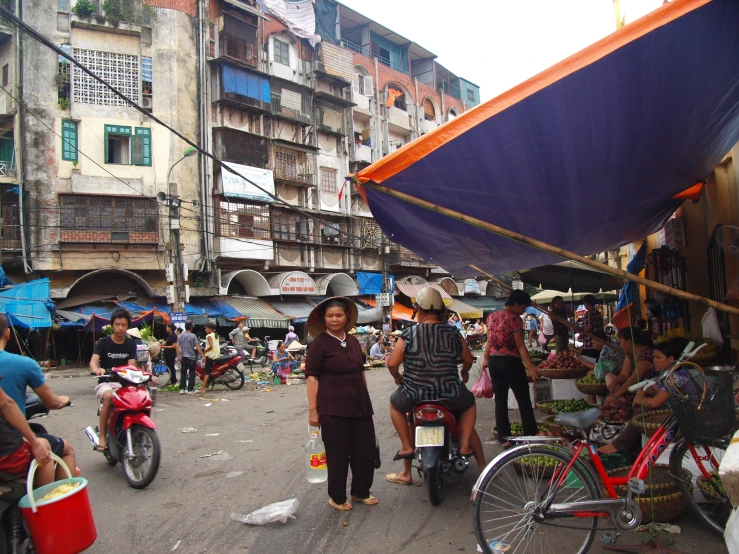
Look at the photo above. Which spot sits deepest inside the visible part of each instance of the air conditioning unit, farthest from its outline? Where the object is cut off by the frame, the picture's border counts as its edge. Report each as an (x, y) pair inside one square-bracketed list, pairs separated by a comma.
[(147, 103)]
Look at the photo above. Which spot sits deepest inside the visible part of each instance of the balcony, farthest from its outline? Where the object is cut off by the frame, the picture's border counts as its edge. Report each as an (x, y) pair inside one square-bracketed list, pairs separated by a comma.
[(11, 228), (231, 145), (401, 256), (7, 169), (239, 50), (295, 167), (366, 51), (244, 90), (291, 101), (400, 120), (362, 153), (331, 118)]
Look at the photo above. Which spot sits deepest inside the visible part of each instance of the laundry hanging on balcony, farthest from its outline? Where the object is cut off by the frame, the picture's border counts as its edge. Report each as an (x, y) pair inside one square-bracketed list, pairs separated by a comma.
[(298, 15)]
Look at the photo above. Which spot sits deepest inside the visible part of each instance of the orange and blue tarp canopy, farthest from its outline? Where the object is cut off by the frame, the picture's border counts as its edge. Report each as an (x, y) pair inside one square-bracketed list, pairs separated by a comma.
[(593, 153)]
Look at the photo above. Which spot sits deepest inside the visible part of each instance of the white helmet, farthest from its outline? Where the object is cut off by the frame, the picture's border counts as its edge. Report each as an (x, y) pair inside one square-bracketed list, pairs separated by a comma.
[(429, 299)]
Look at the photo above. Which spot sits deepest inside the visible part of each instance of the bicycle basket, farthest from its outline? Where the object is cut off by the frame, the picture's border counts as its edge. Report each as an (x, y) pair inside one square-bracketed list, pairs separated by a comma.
[(714, 417)]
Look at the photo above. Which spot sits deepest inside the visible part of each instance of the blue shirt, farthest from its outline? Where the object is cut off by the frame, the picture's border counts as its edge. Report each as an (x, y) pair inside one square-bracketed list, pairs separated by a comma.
[(19, 372)]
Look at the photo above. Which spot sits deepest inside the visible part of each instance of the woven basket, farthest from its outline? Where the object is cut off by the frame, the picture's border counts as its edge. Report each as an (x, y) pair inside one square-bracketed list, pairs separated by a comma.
[(658, 482), (666, 508), (708, 490), (548, 422), (542, 407), (650, 421), (518, 467), (495, 431), (706, 361), (564, 373), (601, 389)]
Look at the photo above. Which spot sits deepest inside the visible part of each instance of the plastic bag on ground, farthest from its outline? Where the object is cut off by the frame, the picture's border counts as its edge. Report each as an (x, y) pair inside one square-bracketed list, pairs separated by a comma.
[(279, 511), (483, 387)]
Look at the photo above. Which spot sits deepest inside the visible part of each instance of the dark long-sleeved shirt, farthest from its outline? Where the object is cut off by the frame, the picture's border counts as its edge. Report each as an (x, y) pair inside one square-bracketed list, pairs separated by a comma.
[(340, 373)]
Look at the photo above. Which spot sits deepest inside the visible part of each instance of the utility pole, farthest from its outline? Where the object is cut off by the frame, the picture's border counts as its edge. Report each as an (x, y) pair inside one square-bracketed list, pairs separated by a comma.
[(386, 307)]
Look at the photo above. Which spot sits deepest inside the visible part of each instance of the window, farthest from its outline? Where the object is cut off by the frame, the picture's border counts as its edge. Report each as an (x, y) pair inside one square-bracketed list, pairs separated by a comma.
[(120, 214), (471, 95), (147, 88), (126, 146), (5, 75), (121, 70), (242, 220), (62, 5), (282, 52), (328, 180), (397, 97), (289, 228), (69, 140), (212, 40)]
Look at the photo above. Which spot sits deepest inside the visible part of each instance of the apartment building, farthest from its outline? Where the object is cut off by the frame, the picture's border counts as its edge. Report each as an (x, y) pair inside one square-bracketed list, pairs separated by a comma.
[(312, 100)]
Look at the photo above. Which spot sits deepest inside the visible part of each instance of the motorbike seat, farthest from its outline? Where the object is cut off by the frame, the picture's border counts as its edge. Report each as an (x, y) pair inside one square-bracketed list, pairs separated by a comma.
[(222, 359), (581, 420)]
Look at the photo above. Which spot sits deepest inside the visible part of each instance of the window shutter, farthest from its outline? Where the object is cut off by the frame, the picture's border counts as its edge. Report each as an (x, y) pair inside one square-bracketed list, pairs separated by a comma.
[(108, 129), (69, 140), (355, 85), (141, 147), (368, 88)]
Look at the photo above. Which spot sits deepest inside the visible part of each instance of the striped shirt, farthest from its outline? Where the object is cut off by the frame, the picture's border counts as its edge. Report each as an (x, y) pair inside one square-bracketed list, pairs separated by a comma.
[(433, 352)]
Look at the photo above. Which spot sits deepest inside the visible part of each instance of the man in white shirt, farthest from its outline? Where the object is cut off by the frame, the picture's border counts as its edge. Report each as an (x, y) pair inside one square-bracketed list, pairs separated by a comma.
[(547, 327)]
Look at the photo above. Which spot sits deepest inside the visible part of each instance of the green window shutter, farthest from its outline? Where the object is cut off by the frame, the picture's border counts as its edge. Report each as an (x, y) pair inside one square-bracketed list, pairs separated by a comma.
[(141, 147), (69, 140), (114, 130)]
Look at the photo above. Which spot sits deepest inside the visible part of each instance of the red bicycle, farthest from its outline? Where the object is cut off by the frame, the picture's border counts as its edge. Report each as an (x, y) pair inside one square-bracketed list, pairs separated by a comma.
[(546, 495)]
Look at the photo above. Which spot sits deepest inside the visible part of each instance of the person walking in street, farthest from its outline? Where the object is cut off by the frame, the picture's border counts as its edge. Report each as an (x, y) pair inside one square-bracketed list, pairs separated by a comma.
[(561, 331), (507, 359), (533, 327), (430, 352), (239, 339), (170, 352), (339, 401), (591, 322), (212, 353), (188, 346), (547, 329), (291, 336)]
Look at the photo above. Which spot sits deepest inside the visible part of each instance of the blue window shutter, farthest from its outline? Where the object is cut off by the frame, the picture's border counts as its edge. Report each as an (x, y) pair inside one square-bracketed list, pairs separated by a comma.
[(69, 140)]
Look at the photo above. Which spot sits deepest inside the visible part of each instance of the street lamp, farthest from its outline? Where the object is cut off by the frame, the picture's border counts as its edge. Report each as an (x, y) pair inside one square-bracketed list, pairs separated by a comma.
[(186, 154)]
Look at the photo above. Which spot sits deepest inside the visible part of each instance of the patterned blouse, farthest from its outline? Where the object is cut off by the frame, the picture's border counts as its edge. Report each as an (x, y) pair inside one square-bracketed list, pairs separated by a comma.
[(502, 327), (560, 329), (594, 318), (432, 354), (646, 355)]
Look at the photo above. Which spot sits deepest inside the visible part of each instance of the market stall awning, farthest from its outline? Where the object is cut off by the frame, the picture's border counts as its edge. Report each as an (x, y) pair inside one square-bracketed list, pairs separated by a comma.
[(27, 305), (545, 296), (412, 290), (570, 276), (485, 303), (464, 311), (260, 314), (297, 310), (336, 284), (399, 311), (586, 156)]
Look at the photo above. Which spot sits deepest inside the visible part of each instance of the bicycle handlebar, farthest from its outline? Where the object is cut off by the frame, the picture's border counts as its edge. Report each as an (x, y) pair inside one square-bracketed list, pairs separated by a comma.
[(642, 385)]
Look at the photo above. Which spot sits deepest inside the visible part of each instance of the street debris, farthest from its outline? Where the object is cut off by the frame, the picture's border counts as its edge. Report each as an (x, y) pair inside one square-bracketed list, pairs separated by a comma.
[(188, 430), (212, 454), (246, 441), (279, 511), (176, 545), (208, 404), (212, 434), (233, 474)]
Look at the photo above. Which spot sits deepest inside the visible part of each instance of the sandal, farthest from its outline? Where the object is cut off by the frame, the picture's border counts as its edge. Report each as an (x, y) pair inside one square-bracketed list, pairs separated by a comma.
[(468, 455), (399, 456), (369, 501), (345, 507), (101, 449), (393, 478)]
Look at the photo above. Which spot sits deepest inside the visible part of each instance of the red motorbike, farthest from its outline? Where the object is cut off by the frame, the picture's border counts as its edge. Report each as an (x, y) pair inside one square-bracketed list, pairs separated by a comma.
[(227, 370), (132, 437), (437, 445)]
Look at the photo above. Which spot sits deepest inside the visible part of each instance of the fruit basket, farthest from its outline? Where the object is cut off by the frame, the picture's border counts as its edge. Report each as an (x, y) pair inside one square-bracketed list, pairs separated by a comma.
[(538, 465), (661, 509), (554, 407), (616, 411), (562, 366), (517, 429), (590, 385), (548, 423), (650, 421), (658, 482), (711, 489)]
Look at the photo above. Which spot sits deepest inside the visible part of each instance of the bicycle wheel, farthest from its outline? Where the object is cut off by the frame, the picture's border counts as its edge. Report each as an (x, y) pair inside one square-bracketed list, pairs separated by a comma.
[(706, 498), (509, 496)]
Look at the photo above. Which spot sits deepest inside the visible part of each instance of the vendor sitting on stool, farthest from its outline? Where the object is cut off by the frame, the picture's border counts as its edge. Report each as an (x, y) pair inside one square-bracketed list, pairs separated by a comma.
[(283, 361)]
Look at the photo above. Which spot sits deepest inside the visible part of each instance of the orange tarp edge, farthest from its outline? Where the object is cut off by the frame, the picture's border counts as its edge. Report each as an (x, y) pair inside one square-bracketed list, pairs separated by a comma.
[(399, 311), (412, 152), (693, 193)]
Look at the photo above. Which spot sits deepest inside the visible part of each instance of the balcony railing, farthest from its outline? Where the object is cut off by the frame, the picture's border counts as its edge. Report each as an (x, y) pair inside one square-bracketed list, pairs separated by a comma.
[(232, 145), (400, 255), (449, 88), (295, 166), (330, 118), (7, 169), (11, 239), (291, 102), (365, 51), (238, 49)]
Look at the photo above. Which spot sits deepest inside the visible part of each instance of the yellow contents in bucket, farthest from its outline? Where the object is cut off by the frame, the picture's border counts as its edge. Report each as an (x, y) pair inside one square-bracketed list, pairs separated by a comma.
[(59, 491)]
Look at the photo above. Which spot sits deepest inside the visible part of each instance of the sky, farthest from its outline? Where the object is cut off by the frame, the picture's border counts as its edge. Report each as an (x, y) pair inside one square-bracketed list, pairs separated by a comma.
[(498, 44)]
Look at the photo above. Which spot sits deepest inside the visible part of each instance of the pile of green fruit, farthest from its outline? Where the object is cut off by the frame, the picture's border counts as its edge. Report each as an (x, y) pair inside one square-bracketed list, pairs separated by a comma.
[(517, 428), (539, 461), (568, 406), (589, 380)]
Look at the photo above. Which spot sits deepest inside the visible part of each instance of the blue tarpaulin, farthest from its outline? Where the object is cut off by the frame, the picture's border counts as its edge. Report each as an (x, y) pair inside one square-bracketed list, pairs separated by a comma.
[(586, 156), (28, 305), (635, 266), (369, 283), (245, 83), (4, 281)]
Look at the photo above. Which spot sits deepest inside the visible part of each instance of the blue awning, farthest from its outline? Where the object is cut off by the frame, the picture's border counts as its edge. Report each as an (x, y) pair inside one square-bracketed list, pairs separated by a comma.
[(246, 83), (586, 156), (369, 283), (28, 305)]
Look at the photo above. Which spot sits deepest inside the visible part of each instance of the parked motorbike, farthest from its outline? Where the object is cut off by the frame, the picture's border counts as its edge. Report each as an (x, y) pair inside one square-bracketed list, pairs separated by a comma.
[(227, 370), (263, 355), (437, 445), (132, 437)]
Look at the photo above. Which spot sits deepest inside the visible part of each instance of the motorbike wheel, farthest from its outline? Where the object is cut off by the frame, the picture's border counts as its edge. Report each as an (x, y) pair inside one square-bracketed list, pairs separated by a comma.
[(110, 459), (141, 468), (264, 360), (435, 482), (233, 378)]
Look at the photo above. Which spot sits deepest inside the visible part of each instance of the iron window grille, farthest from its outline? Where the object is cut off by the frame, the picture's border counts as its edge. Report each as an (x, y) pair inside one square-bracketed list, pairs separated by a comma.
[(243, 220), (108, 213)]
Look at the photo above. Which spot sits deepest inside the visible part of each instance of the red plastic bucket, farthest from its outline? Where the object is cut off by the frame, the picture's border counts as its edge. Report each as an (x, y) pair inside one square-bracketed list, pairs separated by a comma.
[(62, 525)]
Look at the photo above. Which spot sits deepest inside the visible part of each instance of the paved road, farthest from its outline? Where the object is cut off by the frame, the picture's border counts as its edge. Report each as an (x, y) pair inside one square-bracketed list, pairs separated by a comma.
[(190, 502)]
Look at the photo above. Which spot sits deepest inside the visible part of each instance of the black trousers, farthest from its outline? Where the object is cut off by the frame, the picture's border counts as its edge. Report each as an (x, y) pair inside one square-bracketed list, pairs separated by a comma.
[(172, 371), (187, 374), (508, 372), (350, 442)]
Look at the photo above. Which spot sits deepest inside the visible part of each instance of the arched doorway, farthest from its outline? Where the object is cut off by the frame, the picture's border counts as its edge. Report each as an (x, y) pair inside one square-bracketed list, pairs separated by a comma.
[(429, 111), (397, 97), (336, 284), (110, 282), (246, 282)]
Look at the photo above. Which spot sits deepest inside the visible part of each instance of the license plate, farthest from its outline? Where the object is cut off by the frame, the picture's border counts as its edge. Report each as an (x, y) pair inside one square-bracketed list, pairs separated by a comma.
[(241, 367), (429, 436)]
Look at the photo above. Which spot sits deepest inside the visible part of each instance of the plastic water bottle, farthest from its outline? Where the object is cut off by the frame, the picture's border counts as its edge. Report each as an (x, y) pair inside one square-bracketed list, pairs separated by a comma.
[(315, 453)]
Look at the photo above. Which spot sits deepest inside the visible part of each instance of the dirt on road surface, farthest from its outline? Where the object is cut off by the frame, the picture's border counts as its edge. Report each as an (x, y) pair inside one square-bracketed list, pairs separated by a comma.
[(188, 507)]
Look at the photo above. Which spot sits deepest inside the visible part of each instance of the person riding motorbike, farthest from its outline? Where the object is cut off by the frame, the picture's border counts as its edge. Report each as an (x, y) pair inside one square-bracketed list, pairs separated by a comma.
[(19, 373), (251, 344), (430, 352), (115, 350)]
